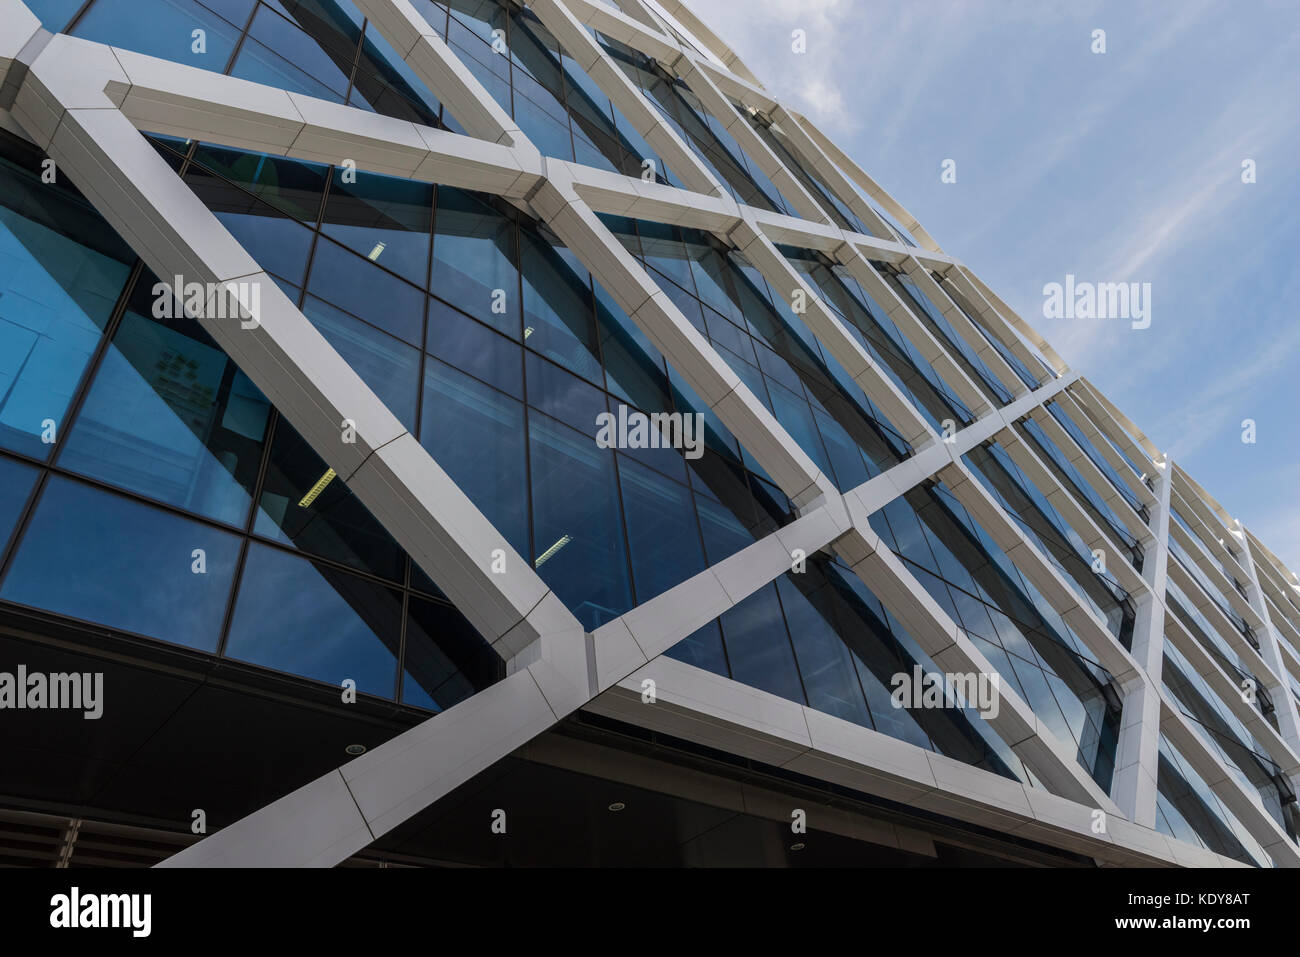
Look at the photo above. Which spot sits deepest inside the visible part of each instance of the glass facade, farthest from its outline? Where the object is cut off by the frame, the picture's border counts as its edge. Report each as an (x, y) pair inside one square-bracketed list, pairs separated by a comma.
[(1051, 455), (757, 333), (937, 323), (1240, 751), (1011, 623), (1188, 810), (1066, 422), (1056, 538), (171, 502), (870, 324), (1209, 638), (321, 48), (492, 343), (821, 638), (710, 141), (149, 490)]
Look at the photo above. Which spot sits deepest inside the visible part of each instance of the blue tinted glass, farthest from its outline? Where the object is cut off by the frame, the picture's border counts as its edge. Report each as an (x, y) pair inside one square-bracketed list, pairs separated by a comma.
[(564, 396), (703, 650), (661, 530), (56, 296), (15, 485), (387, 83), (824, 659), (54, 14), (758, 646), (474, 348), (280, 54), (169, 416), (558, 321), (724, 534), (473, 257), (577, 527), (446, 660), (389, 366), (162, 28), (103, 558), (279, 244), (260, 64), (309, 619), (351, 283), (384, 219), (476, 435), (291, 186), (534, 111), (305, 505)]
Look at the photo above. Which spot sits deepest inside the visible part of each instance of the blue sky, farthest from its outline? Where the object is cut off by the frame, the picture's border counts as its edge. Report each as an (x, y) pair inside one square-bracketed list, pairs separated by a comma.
[(1116, 167)]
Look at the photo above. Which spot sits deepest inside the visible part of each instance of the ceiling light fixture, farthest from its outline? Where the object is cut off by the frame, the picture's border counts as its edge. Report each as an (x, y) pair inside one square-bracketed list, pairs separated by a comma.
[(797, 847), (564, 540), (617, 806), (355, 749), (316, 489), (528, 332), (374, 253)]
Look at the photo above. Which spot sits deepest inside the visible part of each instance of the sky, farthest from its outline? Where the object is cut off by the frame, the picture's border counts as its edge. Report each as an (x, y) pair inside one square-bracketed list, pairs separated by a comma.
[(1122, 166)]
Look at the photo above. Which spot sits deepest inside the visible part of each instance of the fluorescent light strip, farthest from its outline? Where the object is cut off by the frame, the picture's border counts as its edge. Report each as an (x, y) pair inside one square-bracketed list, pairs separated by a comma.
[(319, 487), (564, 540)]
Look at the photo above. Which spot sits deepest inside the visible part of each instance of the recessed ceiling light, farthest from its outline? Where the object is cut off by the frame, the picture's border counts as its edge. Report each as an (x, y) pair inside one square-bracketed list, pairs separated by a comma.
[(797, 847), (617, 806), (355, 749), (374, 253)]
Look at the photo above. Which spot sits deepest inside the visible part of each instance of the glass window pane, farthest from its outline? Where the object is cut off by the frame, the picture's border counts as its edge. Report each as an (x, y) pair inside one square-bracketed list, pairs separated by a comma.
[(446, 660), (293, 187), (578, 530), (387, 83), (558, 321), (280, 54), (314, 620), (389, 366), (169, 416), (661, 529), (385, 219), (563, 396), (162, 28), (100, 557), (824, 658), (56, 297), (758, 646), (305, 505), (354, 285), (476, 435), (474, 348), (473, 257), (703, 650), (54, 14), (16, 482)]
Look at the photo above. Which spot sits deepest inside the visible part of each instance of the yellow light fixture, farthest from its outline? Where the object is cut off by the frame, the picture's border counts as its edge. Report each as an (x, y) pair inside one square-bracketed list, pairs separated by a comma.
[(316, 489), (564, 540)]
